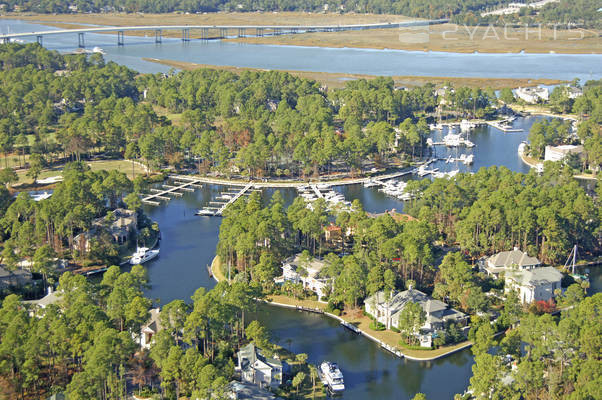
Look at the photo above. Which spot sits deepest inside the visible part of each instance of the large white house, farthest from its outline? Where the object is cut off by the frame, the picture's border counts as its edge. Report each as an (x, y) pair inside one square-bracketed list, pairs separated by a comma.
[(537, 284), (507, 260), (308, 272), (533, 94), (558, 153), (387, 309), (258, 369)]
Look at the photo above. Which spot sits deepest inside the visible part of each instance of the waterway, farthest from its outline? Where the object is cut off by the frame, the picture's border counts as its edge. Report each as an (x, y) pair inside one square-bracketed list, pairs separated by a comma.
[(343, 60), (189, 242)]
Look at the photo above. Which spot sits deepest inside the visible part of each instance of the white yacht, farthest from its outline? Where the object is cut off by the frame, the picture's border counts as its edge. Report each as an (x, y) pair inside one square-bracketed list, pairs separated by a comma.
[(142, 255), (332, 377), (205, 211)]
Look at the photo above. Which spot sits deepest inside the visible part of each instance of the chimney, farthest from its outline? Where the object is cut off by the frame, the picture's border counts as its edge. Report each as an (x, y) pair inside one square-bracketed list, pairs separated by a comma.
[(516, 248), (50, 289)]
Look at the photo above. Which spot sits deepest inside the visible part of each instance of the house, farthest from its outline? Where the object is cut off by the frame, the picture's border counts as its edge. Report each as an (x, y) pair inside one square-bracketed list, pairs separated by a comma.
[(533, 94), (18, 277), (307, 272), (508, 260), (150, 329), (120, 224), (574, 92), (387, 312), (51, 298), (258, 369), (332, 233), (558, 153), (537, 284), (397, 216)]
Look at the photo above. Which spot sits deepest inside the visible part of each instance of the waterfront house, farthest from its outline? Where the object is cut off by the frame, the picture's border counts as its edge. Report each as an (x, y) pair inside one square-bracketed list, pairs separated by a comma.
[(150, 329), (533, 94), (537, 284), (508, 260), (119, 223), (307, 272), (18, 277), (558, 153), (258, 369), (386, 308)]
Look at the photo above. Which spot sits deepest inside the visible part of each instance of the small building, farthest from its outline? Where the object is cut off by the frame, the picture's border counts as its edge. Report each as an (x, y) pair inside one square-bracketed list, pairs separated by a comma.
[(537, 284), (533, 94), (308, 273), (508, 260), (558, 153), (150, 329), (387, 312), (333, 233), (18, 277), (258, 369)]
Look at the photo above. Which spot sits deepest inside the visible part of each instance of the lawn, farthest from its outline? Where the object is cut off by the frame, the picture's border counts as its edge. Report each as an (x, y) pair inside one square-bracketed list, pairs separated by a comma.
[(124, 166)]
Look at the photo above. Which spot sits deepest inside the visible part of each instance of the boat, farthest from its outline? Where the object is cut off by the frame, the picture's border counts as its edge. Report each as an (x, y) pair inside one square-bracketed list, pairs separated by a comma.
[(205, 211), (142, 255), (571, 261), (468, 159), (466, 125), (332, 377), (98, 50)]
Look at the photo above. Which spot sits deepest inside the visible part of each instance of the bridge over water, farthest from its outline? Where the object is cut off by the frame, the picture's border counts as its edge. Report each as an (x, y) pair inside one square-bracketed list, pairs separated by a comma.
[(221, 30)]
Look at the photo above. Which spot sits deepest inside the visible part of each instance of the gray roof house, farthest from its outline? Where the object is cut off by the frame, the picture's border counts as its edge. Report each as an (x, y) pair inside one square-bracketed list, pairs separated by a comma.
[(258, 369), (151, 328), (246, 391), (507, 260), (387, 313), (537, 284), (17, 277)]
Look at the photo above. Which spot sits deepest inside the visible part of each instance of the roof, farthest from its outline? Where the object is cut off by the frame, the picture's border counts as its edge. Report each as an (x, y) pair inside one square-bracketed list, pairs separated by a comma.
[(251, 353), (50, 298), (536, 276), (400, 299), (17, 273), (154, 322), (313, 268), (513, 257), (332, 228), (244, 391)]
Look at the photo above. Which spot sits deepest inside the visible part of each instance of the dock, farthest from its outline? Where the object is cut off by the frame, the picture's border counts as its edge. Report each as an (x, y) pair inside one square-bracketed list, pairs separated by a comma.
[(186, 184), (234, 198)]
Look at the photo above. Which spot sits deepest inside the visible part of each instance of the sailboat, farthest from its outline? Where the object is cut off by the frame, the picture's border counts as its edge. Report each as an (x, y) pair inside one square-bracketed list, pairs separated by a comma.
[(571, 260)]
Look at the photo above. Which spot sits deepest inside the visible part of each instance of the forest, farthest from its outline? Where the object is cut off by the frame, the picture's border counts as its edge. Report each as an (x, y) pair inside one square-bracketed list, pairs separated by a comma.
[(253, 124), (86, 345), (581, 12)]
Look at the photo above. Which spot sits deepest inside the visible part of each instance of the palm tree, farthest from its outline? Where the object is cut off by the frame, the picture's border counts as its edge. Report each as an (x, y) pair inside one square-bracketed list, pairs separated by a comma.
[(313, 374)]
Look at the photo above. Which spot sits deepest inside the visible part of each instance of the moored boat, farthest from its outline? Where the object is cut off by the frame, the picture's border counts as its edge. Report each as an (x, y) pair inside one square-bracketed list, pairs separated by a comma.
[(142, 255), (331, 376)]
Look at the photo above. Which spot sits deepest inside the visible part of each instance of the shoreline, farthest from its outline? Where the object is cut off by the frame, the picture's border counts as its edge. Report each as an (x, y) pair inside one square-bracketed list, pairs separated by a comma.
[(339, 79), (395, 350)]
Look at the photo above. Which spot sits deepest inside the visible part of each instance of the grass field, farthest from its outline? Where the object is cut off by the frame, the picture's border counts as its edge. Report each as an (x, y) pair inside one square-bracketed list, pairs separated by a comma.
[(444, 37), (124, 166), (338, 80)]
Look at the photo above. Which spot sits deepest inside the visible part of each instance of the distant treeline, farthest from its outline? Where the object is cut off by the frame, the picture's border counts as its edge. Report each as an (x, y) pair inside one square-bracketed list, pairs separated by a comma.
[(460, 11)]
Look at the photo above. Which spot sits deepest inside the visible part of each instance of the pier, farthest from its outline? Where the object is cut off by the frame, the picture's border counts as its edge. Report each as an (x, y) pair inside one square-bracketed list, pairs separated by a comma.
[(170, 190), (234, 198)]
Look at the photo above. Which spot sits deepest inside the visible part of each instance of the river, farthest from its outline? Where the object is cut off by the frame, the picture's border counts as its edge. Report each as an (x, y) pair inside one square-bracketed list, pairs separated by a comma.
[(189, 242), (343, 60)]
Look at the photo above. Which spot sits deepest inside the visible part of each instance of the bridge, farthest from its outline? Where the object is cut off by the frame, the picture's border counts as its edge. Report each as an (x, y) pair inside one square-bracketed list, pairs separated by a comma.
[(223, 30)]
